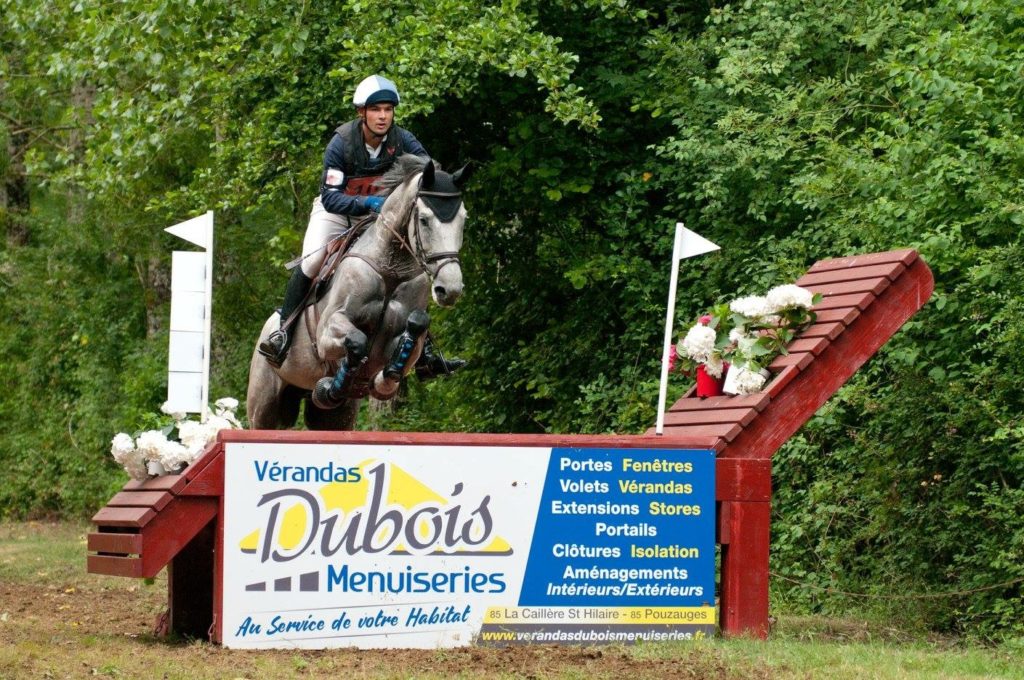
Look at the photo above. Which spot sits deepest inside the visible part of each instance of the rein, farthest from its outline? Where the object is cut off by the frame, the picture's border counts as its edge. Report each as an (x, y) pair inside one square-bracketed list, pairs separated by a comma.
[(419, 254)]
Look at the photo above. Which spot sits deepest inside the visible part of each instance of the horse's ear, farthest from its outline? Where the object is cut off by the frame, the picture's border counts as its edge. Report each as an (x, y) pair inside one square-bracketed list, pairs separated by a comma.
[(462, 175), (428, 175)]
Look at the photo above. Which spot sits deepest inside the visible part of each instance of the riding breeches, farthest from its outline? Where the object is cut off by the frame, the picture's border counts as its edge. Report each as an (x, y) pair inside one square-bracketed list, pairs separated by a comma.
[(323, 226)]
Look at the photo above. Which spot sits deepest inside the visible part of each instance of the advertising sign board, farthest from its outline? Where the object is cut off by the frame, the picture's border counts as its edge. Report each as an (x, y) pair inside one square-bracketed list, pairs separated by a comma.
[(336, 545)]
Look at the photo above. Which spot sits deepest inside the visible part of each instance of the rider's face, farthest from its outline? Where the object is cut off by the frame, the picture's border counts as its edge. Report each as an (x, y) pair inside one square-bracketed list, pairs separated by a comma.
[(378, 117)]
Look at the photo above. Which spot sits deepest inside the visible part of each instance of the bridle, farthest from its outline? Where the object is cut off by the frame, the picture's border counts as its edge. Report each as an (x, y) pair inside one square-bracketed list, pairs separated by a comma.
[(445, 258), (419, 254)]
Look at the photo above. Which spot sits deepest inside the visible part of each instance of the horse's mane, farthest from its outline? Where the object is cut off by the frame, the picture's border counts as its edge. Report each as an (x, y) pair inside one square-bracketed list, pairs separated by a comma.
[(405, 166)]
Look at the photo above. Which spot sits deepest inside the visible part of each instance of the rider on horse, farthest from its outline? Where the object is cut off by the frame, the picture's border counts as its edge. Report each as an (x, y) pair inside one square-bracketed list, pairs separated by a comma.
[(360, 152)]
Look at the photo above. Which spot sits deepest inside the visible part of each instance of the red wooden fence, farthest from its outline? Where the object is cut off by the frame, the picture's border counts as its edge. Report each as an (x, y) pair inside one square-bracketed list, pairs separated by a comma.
[(175, 521)]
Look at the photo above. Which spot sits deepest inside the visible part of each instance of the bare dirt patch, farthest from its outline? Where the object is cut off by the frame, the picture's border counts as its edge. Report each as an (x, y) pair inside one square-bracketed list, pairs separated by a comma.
[(92, 626)]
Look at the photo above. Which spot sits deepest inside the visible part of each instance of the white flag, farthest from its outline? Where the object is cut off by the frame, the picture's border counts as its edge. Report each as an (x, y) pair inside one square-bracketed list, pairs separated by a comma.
[(198, 230), (693, 244)]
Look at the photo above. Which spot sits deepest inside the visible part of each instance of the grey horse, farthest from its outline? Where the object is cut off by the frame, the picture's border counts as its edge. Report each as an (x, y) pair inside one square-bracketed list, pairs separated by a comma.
[(366, 332)]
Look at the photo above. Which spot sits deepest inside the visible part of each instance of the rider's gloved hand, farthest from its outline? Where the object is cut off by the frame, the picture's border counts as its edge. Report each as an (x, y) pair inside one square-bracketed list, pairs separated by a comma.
[(374, 203)]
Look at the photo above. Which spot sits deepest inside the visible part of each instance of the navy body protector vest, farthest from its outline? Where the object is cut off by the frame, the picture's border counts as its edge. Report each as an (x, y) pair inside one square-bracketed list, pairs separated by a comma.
[(361, 170)]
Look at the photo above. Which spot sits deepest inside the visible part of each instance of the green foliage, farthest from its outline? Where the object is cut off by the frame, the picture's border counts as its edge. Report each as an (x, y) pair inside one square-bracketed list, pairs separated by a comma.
[(784, 131)]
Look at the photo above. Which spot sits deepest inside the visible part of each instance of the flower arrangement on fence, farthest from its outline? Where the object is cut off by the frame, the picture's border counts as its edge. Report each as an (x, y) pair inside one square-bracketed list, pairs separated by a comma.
[(173, 446), (744, 337)]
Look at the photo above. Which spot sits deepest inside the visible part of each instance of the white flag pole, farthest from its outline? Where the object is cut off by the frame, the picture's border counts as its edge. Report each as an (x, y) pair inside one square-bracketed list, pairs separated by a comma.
[(677, 245), (188, 361), (209, 317), (686, 244)]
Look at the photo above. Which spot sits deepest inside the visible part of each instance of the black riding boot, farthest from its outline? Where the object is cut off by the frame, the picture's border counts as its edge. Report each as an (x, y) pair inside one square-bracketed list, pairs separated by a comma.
[(275, 347), (432, 363)]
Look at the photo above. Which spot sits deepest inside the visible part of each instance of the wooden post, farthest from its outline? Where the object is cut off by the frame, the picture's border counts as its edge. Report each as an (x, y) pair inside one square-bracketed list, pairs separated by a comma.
[(744, 532), (190, 582)]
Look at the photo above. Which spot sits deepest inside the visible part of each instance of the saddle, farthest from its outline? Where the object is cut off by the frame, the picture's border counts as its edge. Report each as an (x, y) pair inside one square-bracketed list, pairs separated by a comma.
[(336, 249)]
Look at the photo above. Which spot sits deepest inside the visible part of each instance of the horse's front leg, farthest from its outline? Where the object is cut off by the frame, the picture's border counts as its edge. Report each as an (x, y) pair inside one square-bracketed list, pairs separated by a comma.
[(339, 341), (402, 352)]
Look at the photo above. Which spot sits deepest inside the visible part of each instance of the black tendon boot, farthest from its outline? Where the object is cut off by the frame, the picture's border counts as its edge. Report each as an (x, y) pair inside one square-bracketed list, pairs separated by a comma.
[(275, 347), (432, 363)]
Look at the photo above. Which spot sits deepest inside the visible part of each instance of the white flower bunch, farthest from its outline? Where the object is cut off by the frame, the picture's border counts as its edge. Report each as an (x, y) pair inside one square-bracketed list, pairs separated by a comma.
[(699, 343), (753, 306), (151, 452), (789, 296), (754, 330), (748, 381), (714, 366)]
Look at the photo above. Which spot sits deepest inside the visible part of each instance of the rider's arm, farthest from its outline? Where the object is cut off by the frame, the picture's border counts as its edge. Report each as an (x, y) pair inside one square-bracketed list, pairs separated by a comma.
[(333, 181), (412, 145)]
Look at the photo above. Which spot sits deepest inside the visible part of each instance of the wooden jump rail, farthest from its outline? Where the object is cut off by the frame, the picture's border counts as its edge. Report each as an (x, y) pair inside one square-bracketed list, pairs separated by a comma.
[(176, 521)]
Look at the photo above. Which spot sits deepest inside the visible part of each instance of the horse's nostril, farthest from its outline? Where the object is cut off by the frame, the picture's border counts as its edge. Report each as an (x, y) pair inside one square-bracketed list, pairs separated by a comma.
[(439, 291)]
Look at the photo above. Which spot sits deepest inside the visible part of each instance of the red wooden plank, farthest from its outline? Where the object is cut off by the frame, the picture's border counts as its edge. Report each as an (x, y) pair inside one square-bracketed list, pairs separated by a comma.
[(466, 439), (723, 526), (172, 529), (755, 401), (795, 404), (858, 300), (744, 590), (779, 382), (743, 479), (122, 544), (813, 345), (875, 285), (843, 315), (889, 271), (111, 565), (123, 517), (199, 464), (726, 431), (141, 499), (799, 359), (217, 631), (210, 480), (172, 483), (740, 416), (668, 439), (823, 330), (906, 257)]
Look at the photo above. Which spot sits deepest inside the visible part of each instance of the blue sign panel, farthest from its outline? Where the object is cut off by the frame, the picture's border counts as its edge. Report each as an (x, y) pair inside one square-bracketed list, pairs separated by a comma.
[(624, 528)]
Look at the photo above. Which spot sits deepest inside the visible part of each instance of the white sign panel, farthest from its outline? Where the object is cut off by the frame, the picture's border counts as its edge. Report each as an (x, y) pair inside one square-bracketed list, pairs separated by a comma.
[(188, 271), (188, 311), (425, 546), (187, 351), (184, 392)]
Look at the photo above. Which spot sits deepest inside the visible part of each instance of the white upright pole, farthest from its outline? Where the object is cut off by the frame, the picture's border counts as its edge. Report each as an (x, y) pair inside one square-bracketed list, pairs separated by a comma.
[(677, 245), (209, 318), (188, 351)]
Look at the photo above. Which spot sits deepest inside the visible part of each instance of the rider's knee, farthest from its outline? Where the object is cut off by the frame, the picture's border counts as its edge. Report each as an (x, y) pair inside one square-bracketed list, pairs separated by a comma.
[(311, 265)]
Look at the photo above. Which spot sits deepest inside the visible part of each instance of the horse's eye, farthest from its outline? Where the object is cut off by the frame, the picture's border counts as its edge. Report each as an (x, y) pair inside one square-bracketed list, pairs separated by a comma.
[(424, 220)]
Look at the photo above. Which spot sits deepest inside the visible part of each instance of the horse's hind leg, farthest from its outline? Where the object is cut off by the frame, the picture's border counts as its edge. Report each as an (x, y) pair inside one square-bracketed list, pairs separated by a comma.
[(341, 418), (271, 403)]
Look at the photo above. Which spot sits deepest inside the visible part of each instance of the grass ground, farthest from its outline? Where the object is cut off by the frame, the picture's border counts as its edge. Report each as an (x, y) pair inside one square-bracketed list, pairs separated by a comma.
[(58, 621)]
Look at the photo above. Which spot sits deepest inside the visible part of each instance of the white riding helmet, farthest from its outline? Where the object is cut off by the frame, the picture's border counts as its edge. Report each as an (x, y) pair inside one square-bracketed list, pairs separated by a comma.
[(374, 90)]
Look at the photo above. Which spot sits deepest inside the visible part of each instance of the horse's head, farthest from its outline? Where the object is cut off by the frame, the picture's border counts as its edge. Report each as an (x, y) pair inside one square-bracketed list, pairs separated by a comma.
[(435, 227)]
